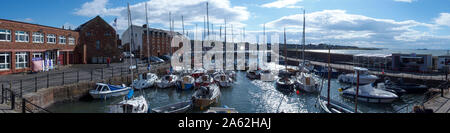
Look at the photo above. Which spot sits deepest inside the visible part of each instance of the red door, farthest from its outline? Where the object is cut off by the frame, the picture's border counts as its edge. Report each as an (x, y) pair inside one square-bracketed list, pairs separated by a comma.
[(61, 58)]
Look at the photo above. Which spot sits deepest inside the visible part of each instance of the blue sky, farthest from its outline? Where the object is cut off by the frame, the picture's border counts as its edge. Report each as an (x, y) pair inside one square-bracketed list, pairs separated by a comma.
[(365, 23)]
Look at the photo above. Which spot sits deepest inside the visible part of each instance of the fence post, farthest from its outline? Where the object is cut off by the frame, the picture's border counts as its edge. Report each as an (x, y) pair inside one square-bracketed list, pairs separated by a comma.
[(21, 88), (23, 106), (62, 78), (78, 76), (48, 79), (35, 84), (13, 100), (3, 97)]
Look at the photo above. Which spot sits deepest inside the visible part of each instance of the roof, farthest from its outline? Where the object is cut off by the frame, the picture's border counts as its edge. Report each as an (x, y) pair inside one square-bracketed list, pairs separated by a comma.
[(36, 25), (374, 55), (92, 20)]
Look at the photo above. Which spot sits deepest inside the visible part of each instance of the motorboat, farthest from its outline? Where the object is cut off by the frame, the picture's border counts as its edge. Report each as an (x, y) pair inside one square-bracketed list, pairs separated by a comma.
[(364, 77), (221, 110), (145, 80), (206, 96), (369, 94), (285, 84), (181, 107), (397, 91), (133, 105), (103, 91), (167, 81), (223, 80), (267, 76), (204, 80), (186, 82), (323, 72), (307, 82), (408, 87), (254, 74), (231, 74), (198, 72)]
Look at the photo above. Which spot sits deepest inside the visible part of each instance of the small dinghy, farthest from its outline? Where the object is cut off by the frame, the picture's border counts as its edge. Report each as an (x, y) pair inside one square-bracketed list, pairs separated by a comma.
[(223, 80), (133, 104), (369, 94), (306, 82), (204, 80), (254, 74), (103, 91), (181, 107), (221, 110), (145, 80), (167, 81), (285, 84), (267, 76), (186, 82), (408, 87), (206, 96), (364, 77)]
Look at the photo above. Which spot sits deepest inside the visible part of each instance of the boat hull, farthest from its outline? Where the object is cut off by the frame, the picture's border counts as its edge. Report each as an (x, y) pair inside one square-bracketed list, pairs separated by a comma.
[(370, 99), (103, 95)]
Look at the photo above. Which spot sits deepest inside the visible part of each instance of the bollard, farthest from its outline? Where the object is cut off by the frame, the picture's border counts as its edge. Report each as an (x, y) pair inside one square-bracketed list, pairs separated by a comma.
[(3, 97)]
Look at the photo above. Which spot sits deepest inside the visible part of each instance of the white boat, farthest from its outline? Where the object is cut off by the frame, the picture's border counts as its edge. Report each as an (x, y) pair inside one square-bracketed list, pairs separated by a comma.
[(223, 80), (254, 74), (167, 81), (103, 91), (364, 77), (231, 74), (145, 80), (186, 82), (204, 80), (181, 107), (198, 72), (369, 94), (305, 66), (334, 106), (285, 84), (267, 76), (134, 105), (307, 82), (206, 96)]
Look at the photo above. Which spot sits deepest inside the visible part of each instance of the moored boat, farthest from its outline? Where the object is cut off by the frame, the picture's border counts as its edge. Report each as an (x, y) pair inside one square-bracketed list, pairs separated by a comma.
[(369, 94), (267, 76), (306, 82), (133, 105), (206, 96), (254, 74), (204, 80), (223, 80), (285, 84), (181, 107), (186, 82), (103, 91), (167, 81), (364, 77), (408, 87), (145, 80)]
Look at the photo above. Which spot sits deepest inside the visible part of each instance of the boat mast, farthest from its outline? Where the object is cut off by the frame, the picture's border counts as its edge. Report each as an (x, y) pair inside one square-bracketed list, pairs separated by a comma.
[(131, 41), (207, 17), (285, 49), (148, 37), (357, 90), (182, 22), (329, 76), (303, 41)]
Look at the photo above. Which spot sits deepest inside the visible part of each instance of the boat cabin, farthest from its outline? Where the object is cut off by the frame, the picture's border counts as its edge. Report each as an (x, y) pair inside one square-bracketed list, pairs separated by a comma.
[(362, 71)]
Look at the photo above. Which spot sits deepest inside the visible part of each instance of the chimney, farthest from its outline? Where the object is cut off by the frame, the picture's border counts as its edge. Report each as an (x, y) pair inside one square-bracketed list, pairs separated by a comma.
[(63, 27), (145, 25)]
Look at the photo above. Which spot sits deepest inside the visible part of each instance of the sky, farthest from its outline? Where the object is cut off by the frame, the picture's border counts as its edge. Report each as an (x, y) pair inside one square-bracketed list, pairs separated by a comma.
[(395, 24)]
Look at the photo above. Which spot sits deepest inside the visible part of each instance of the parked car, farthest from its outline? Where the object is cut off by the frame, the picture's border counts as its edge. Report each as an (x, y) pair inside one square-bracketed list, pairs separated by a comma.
[(154, 59), (165, 57), (127, 55)]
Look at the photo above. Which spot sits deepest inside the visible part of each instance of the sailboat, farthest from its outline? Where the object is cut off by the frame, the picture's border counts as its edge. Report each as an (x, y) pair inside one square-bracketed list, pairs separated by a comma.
[(132, 104), (285, 83), (306, 80), (169, 80), (327, 104), (145, 80)]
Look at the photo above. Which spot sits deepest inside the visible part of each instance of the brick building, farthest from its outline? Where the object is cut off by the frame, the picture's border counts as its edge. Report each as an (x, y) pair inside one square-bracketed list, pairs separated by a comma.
[(160, 41), (20, 43), (98, 41)]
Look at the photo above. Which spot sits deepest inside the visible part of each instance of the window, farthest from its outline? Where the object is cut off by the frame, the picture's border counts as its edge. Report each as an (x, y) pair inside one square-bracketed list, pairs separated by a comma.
[(4, 61), (88, 34), (71, 41), (22, 36), (21, 60), (38, 37), (97, 45), (5, 35), (62, 40), (107, 34), (51, 38), (37, 55)]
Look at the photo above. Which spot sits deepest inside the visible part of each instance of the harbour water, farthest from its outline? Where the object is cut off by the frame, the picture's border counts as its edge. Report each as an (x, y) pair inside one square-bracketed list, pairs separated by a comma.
[(247, 96), (433, 52)]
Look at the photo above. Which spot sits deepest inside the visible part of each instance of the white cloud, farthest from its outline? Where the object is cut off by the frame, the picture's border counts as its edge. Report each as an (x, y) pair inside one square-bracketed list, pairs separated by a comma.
[(407, 1), (444, 19), (29, 20), (192, 10), (282, 4)]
